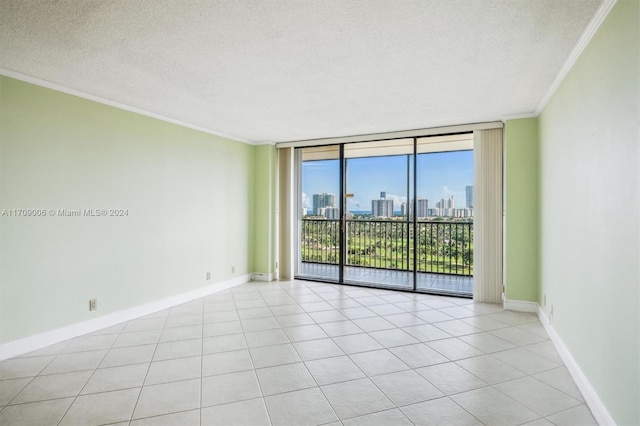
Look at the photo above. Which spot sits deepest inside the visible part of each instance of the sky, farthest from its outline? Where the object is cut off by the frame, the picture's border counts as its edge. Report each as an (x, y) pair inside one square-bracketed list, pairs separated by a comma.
[(440, 175)]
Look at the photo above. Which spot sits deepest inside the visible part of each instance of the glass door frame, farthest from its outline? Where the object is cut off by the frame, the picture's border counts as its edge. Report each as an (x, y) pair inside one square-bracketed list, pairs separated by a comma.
[(412, 224), (343, 219)]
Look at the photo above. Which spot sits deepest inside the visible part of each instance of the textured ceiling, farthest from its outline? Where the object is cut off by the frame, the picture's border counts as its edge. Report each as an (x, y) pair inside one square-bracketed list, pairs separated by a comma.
[(280, 70)]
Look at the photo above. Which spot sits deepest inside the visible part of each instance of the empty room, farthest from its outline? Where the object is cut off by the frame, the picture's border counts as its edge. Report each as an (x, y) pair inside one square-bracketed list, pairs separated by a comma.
[(287, 212)]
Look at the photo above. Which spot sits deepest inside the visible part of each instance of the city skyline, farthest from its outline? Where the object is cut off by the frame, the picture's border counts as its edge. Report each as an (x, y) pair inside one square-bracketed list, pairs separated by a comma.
[(440, 176)]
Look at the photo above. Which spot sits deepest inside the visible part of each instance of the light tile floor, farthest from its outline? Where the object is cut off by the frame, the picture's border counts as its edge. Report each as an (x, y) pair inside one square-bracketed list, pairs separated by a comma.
[(293, 353)]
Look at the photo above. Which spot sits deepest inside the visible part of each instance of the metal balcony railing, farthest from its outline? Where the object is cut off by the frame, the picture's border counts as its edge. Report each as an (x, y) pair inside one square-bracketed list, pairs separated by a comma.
[(443, 247)]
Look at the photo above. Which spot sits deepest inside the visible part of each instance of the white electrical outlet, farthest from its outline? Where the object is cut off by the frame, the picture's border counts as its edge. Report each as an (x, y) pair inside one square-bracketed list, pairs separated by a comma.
[(93, 304), (208, 277), (233, 269)]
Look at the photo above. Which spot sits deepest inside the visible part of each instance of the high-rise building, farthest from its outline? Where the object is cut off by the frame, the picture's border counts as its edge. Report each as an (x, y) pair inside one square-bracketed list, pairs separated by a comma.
[(469, 194), (321, 201), (382, 208), (422, 207), (446, 207), (404, 208), (332, 213)]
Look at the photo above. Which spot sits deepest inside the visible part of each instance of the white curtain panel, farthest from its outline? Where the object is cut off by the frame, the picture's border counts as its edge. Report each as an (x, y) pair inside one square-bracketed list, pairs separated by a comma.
[(487, 222)]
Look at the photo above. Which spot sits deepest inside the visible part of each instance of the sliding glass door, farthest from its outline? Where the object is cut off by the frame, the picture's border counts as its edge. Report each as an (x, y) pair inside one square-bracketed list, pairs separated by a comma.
[(378, 226), (391, 214), (444, 225), (319, 215)]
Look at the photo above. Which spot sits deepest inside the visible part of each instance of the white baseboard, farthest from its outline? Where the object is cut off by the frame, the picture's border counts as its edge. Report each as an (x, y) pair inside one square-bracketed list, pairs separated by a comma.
[(262, 276), (520, 306), (590, 395), (40, 340)]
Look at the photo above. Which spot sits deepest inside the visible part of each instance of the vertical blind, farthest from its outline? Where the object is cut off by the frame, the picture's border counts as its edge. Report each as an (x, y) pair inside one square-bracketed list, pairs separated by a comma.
[(287, 219), (487, 223)]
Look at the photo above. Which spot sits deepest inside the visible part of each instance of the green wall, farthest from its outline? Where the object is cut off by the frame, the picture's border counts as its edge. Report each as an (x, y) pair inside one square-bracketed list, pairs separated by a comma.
[(589, 211), (521, 206), (189, 197)]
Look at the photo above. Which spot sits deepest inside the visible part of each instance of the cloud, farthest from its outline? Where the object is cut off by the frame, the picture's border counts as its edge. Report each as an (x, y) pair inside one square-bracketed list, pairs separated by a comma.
[(354, 204), (306, 204), (397, 200)]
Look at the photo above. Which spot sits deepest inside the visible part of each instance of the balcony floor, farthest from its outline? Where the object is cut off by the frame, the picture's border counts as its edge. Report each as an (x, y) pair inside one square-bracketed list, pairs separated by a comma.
[(427, 282)]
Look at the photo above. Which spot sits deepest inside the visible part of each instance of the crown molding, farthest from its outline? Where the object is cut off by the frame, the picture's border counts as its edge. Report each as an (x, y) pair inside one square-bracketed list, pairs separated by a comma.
[(507, 117), (581, 44), (69, 91)]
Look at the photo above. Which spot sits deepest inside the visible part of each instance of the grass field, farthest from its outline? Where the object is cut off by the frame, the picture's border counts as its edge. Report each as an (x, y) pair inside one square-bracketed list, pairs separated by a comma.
[(443, 247)]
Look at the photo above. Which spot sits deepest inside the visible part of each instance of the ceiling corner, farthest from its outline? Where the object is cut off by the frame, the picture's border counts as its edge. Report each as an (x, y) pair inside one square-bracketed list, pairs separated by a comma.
[(581, 44)]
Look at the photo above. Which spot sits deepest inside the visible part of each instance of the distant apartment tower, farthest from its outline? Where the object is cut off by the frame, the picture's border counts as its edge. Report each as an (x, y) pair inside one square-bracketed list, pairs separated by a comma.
[(445, 207), (321, 201), (382, 207), (422, 207), (446, 204), (469, 194), (332, 213)]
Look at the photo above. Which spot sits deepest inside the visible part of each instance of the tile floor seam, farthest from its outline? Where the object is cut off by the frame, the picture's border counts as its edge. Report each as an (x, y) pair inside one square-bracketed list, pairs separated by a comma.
[(395, 407), (152, 417), (201, 362), (37, 354), (262, 396), (24, 387), (515, 367), (222, 404), (534, 378), (340, 381), (85, 384), (486, 385), (155, 349), (37, 401), (31, 377), (582, 400), (385, 394), (20, 391), (335, 412), (518, 402), (467, 411), (583, 404), (475, 375), (312, 376), (365, 374)]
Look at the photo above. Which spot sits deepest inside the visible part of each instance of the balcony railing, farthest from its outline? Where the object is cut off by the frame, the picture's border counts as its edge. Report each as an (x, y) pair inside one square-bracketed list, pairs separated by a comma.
[(443, 247)]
